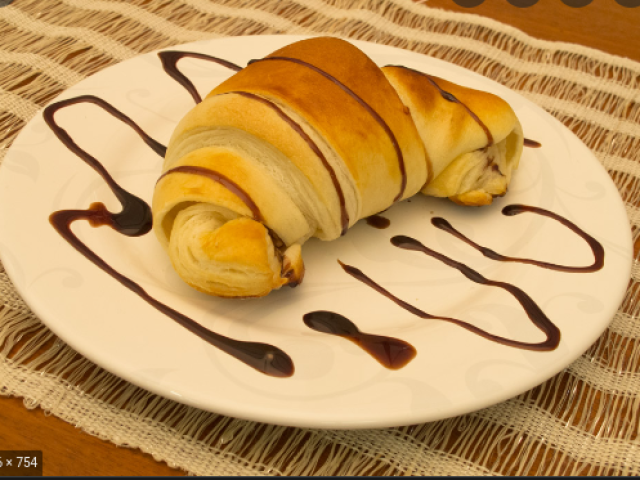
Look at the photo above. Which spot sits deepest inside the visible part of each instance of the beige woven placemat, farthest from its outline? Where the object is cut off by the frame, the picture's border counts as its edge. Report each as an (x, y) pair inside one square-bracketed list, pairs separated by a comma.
[(583, 421)]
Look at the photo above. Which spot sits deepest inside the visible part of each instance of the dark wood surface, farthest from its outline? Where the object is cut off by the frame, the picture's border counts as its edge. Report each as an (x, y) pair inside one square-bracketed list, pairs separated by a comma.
[(603, 25)]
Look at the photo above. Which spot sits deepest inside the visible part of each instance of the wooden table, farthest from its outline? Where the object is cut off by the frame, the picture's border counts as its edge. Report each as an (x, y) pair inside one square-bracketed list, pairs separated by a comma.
[(603, 24)]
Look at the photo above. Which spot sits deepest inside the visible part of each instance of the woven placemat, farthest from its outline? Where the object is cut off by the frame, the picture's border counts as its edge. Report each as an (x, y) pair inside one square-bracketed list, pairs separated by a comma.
[(582, 421)]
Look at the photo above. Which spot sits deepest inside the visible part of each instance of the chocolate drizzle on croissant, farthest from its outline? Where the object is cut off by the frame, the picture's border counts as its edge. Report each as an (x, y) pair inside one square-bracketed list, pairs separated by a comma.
[(365, 105), (450, 97), (222, 180), (344, 215)]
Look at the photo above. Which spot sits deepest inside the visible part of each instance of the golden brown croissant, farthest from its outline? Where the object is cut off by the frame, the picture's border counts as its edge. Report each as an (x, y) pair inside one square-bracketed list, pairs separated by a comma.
[(304, 143)]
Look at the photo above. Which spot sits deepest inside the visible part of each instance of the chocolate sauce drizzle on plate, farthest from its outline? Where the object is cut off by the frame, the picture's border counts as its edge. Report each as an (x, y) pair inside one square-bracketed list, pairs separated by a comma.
[(170, 58), (531, 143), (64, 137), (135, 219), (533, 311), (378, 221), (511, 210), (392, 353), (367, 107)]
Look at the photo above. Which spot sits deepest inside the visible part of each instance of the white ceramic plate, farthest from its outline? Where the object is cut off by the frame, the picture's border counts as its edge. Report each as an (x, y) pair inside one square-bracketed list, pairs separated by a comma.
[(336, 384)]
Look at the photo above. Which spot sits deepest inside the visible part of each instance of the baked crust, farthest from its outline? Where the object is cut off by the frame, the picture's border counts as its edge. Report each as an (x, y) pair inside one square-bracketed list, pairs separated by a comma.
[(306, 142), (346, 126), (468, 166)]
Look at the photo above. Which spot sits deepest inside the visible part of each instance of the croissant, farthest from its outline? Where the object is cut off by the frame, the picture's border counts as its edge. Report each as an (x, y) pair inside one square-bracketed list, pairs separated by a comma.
[(304, 143)]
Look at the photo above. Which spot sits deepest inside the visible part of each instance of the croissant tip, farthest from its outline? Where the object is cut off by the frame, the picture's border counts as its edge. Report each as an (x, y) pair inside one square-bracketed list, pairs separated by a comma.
[(472, 199), (292, 266)]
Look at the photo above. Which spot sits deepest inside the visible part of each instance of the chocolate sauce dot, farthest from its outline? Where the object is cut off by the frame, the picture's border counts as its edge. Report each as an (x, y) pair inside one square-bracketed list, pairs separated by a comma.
[(531, 143), (379, 222), (390, 352)]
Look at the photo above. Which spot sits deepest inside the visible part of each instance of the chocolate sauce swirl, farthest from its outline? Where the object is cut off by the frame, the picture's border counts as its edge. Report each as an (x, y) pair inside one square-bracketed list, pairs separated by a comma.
[(222, 180), (533, 311), (170, 58), (263, 357), (367, 107), (596, 247), (392, 353), (64, 137), (450, 97), (135, 219)]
